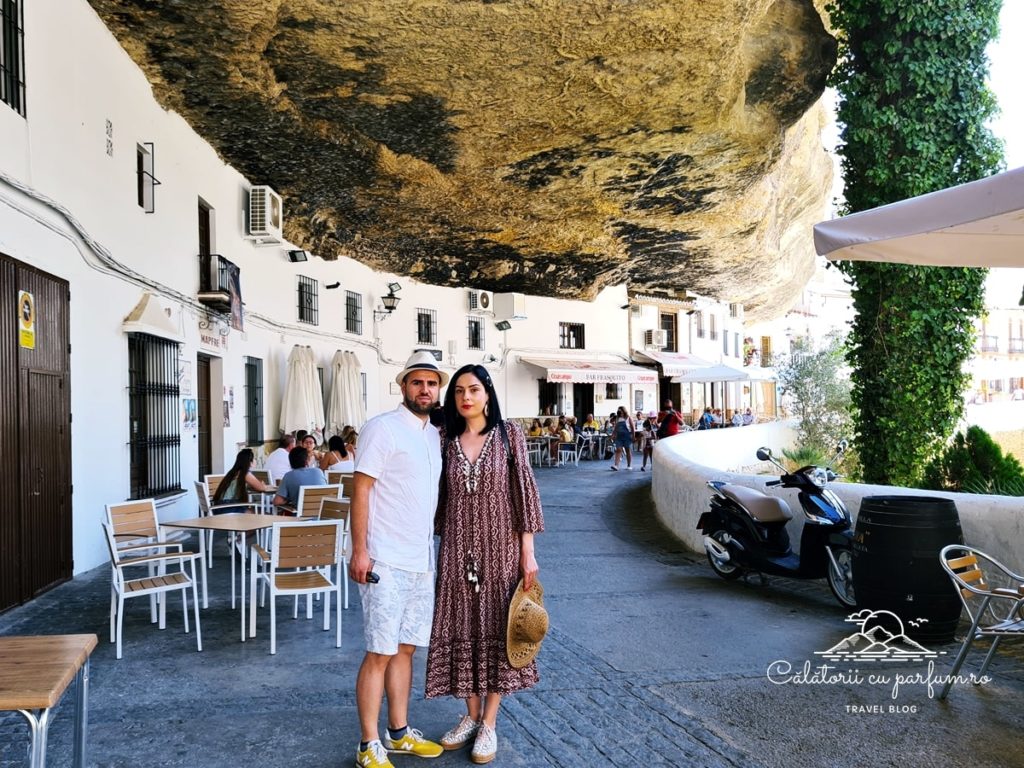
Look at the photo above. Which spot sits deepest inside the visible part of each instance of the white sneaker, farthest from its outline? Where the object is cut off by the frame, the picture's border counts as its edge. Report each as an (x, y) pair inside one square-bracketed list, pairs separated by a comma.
[(460, 735), (486, 745)]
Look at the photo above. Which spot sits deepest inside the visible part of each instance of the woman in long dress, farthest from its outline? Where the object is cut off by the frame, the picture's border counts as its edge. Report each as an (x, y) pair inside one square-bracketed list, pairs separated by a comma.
[(487, 516)]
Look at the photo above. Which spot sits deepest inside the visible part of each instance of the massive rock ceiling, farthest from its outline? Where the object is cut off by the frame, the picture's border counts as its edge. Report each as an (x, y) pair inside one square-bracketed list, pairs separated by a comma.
[(545, 146)]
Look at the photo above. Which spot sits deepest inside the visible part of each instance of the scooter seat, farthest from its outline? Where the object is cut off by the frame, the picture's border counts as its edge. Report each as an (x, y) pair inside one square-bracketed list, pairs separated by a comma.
[(764, 509)]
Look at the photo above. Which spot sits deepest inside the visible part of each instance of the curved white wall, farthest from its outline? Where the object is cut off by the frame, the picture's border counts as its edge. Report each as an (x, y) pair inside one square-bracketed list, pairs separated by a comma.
[(684, 464)]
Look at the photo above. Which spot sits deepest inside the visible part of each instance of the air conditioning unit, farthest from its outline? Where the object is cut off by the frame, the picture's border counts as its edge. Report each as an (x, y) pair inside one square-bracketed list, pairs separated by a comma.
[(481, 301), (655, 338), (266, 216), (510, 306)]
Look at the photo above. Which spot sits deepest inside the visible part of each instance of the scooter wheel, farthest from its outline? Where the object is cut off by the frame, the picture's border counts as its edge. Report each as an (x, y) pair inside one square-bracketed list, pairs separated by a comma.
[(725, 569), (841, 583)]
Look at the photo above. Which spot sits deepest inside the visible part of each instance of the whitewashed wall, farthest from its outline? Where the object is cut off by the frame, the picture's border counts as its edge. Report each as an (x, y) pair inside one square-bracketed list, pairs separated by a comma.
[(684, 464)]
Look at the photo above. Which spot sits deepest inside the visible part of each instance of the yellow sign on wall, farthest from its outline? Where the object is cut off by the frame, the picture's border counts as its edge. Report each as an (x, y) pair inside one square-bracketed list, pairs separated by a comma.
[(26, 320)]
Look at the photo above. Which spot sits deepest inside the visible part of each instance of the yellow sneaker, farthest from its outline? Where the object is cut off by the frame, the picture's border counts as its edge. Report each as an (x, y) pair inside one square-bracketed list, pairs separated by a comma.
[(413, 743), (373, 756)]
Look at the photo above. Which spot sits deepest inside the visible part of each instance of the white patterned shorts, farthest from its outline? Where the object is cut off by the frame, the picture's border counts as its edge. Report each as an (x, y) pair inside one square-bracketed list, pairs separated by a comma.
[(399, 609)]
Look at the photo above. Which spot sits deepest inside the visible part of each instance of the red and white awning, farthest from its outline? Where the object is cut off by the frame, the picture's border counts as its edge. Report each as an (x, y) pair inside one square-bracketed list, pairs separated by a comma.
[(593, 371)]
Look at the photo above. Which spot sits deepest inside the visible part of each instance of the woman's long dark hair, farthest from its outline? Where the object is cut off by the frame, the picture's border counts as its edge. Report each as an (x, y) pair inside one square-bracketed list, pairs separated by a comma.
[(454, 422), (337, 445), (243, 461)]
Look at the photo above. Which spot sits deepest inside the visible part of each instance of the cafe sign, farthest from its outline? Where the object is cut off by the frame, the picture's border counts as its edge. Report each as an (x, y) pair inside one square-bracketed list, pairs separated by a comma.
[(26, 320)]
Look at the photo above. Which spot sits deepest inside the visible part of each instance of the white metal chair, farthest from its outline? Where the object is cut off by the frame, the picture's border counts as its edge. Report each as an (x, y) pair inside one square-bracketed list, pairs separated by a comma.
[(302, 556), (205, 510), (135, 528), (340, 509), (123, 586), (993, 596), (534, 452), (569, 453)]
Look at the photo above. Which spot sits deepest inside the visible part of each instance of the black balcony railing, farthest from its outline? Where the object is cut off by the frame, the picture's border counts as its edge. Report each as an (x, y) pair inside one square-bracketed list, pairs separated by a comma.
[(215, 281), (1015, 345), (989, 343)]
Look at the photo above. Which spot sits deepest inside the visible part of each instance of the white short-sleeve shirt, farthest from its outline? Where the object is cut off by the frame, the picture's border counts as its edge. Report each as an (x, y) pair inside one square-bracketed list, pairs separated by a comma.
[(403, 455)]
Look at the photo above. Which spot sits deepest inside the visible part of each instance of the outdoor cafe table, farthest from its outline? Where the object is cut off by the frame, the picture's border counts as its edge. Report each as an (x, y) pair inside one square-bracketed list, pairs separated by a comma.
[(233, 522), (34, 673)]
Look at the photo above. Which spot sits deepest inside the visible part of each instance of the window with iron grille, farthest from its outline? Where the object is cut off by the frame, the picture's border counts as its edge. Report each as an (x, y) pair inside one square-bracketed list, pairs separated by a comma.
[(612, 392), (713, 327), (725, 342), (253, 401), (476, 333), (698, 324), (668, 325), (12, 55), (734, 310), (426, 326), (570, 336), (309, 301), (353, 312), (154, 431)]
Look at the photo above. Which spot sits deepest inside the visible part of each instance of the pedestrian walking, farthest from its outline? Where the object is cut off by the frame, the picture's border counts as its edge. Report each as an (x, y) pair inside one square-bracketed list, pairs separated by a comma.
[(395, 493), (487, 517)]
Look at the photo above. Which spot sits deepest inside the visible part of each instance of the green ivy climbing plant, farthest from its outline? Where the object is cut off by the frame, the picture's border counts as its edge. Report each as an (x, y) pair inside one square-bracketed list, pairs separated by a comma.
[(912, 106)]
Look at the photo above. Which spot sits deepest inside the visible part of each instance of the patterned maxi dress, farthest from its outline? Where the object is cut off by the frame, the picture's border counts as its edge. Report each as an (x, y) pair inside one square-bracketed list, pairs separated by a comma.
[(479, 514)]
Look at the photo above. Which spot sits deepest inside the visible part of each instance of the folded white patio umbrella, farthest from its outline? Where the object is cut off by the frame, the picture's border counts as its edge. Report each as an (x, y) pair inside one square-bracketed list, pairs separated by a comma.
[(302, 406), (335, 410), (345, 401), (980, 224), (353, 392)]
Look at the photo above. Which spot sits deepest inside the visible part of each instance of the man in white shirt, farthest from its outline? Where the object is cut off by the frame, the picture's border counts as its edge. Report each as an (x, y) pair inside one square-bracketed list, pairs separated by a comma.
[(398, 469), (277, 462)]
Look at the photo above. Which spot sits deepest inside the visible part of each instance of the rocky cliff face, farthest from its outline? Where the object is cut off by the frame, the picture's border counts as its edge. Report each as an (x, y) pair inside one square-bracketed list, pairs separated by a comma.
[(544, 146)]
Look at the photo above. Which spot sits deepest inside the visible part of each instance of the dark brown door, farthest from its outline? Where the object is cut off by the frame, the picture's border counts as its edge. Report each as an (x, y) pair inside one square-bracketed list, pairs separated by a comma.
[(35, 433), (203, 417)]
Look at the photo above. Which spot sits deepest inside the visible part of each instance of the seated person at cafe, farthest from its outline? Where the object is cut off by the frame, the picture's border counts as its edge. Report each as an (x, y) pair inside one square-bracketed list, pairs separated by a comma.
[(591, 425), (737, 419), (716, 417), (337, 458), (300, 475), (536, 430), (706, 420), (309, 443), (748, 417), (570, 422), (237, 483), (277, 462)]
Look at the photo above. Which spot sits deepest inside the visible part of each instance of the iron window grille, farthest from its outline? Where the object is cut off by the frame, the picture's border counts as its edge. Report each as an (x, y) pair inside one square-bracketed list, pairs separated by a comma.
[(426, 326), (154, 431), (713, 327), (213, 273), (612, 392), (253, 401), (475, 338), (571, 336), (12, 55), (309, 301), (145, 180), (353, 312), (698, 324), (667, 322)]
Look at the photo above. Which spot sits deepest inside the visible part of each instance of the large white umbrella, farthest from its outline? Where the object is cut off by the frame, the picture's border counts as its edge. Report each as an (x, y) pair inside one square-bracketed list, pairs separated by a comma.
[(345, 403), (980, 224), (302, 406), (719, 372)]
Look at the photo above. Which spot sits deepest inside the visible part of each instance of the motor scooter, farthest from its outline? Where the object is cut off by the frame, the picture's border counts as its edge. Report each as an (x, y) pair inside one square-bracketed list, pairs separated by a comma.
[(745, 530)]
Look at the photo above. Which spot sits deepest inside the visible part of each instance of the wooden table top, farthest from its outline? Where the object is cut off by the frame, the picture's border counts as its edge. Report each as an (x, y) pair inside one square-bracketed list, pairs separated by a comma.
[(36, 670), (234, 521)]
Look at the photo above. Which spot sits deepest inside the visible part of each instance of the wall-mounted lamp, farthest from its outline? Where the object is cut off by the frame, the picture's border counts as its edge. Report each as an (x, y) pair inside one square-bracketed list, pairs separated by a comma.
[(503, 325), (296, 256), (332, 286), (390, 302)]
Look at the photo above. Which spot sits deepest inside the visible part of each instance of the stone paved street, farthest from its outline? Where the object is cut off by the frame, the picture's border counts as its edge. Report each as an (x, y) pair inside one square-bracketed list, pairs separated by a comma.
[(651, 661)]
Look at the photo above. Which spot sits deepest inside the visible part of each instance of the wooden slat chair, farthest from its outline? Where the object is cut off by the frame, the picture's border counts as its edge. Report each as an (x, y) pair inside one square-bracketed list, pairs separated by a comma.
[(310, 496), (301, 559), (123, 586), (340, 509), (993, 596), (263, 475), (135, 527), (348, 484), (334, 477)]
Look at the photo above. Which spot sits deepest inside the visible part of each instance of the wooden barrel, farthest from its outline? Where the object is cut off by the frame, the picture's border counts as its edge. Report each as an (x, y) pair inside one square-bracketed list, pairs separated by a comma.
[(896, 563)]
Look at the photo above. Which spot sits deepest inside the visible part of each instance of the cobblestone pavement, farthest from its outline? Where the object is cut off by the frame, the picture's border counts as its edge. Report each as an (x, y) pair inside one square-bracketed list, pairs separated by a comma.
[(651, 661)]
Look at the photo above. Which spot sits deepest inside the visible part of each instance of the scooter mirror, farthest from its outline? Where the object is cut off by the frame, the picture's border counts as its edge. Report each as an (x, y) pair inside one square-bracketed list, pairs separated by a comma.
[(764, 454)]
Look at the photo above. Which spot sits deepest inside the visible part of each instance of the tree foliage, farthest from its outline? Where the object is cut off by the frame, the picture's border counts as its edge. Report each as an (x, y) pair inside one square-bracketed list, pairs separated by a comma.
[(974, 463), (913, 106), (819, 386)]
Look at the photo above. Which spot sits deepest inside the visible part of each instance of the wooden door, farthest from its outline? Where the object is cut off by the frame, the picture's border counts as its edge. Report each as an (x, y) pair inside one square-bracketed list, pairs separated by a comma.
[(204, 424), (35, 433)]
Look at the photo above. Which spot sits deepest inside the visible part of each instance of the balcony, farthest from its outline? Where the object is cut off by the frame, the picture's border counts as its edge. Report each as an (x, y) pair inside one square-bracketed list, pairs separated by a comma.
[(215, 282), (988, 343), (1015, 346)]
